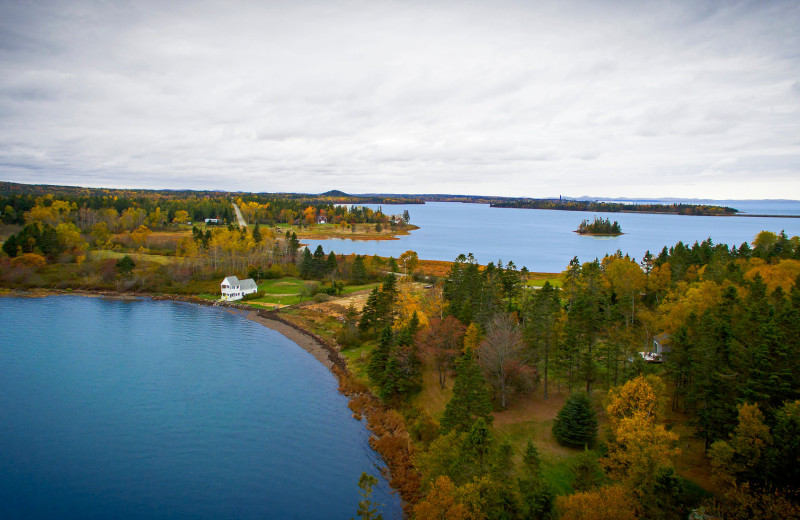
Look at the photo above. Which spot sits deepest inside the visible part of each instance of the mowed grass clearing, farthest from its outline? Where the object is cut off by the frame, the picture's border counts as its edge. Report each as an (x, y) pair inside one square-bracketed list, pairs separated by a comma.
[(291, 290), (103, 254)]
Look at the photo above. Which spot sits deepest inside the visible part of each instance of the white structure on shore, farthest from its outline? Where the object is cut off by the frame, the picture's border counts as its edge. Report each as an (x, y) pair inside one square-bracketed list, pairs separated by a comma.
[(235, 289)]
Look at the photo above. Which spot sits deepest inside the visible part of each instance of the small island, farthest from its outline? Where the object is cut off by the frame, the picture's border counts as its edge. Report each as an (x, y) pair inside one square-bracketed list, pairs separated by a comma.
[(602, 227)]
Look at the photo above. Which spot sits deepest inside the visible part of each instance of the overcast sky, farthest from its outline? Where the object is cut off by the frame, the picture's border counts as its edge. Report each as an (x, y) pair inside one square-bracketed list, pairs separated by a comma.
[(519, 98)]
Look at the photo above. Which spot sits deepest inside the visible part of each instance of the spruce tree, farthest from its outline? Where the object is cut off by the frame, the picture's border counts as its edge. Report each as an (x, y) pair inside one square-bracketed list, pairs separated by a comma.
[(330, 263), (379, 357), (576, 423), (531, 460), (257, 234), (358, 274), (306, 265), (319, 262), (471, 398)]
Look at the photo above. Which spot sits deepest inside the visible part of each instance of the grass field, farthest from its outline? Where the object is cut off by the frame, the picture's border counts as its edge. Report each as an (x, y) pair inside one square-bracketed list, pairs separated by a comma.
[(103, 254), (538, 280)]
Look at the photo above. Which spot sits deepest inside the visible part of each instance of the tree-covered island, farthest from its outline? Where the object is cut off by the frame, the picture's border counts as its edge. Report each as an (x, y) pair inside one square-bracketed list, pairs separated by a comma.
[(599, 226)]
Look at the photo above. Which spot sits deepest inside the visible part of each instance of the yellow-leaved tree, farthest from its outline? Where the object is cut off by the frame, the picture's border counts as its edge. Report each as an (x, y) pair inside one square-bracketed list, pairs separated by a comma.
[(638, 446), (442, 501), (605, 503)]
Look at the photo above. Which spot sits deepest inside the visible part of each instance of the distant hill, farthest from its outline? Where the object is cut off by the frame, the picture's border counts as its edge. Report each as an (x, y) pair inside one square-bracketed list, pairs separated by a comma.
[(334, 193)]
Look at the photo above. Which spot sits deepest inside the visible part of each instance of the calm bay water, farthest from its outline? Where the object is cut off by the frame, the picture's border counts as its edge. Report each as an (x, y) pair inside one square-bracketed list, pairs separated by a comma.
[(544, 240), (128, 410)]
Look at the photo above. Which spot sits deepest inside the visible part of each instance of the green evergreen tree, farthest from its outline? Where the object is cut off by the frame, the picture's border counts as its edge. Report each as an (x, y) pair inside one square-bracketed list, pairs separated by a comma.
[(501, 467), (358, 275), (257, 238), (125, 265), (331, 264), (10, 246), (379, 357), (576, 423), (319, 262), (294, 245), (306, 265), (531, 460), (471, 398), (586, 471), (393, 265)]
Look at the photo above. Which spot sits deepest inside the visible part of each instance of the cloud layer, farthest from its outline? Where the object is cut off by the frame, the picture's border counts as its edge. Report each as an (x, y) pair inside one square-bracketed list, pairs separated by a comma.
[(683, 99)]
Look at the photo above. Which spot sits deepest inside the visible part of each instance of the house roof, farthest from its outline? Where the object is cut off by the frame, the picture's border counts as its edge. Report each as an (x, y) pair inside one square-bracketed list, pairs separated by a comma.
[(230, 280), (248, 284)]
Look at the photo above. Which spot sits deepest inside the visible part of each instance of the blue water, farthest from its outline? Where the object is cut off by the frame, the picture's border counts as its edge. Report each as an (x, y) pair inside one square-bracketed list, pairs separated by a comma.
[(143, 409), (544, 240)]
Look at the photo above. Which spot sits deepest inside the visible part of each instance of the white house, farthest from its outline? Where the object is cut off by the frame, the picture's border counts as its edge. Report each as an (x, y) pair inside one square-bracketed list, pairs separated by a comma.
[(234, 289)]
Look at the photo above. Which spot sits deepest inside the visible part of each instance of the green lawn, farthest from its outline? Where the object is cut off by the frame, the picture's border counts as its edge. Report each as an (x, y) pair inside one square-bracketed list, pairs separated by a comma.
[(289, 290), (286, 285)]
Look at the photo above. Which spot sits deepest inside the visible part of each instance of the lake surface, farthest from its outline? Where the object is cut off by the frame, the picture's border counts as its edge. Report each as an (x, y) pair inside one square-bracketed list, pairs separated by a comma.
[(143, 409), (544, 240)]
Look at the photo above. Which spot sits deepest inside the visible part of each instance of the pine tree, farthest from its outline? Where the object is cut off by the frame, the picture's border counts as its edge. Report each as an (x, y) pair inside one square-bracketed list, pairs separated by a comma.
[(471, 398), (576, 423), (257, 238)]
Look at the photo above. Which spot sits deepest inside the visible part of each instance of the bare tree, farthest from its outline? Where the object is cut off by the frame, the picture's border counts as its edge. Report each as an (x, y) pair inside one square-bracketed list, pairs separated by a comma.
[(504, 358)]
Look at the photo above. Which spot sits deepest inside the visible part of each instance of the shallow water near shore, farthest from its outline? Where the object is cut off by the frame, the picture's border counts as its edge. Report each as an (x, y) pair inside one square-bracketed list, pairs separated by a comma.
[(145, 409)]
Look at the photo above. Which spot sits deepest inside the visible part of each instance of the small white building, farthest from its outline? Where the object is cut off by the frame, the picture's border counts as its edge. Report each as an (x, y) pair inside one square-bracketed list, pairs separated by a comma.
[(234, 289)]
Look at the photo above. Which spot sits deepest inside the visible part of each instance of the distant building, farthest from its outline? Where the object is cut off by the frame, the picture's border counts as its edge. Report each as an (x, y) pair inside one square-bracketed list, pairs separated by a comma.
[(234, 289), (322, 219), (212, 221)]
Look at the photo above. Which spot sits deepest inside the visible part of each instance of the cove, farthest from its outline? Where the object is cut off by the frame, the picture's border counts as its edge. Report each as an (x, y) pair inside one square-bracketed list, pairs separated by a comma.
[(145, 409)]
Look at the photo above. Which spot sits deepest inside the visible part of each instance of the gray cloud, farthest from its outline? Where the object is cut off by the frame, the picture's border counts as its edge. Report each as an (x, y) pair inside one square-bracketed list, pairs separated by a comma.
[(695, 99)]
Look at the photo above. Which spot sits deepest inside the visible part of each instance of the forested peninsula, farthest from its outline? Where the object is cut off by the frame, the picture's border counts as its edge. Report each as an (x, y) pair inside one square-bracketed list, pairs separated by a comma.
[(655, 388)]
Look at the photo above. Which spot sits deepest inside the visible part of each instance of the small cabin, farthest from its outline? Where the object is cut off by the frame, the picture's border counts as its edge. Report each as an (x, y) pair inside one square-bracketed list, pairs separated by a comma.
[(234, 289), (322, 219), (661, 344), (212, 221), (660, 351)]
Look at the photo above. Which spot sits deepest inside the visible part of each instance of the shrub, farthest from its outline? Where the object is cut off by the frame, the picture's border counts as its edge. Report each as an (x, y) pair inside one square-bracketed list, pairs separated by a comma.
[(30, 260), (274, 272), (576, 423), (253, 296)]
